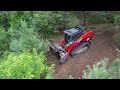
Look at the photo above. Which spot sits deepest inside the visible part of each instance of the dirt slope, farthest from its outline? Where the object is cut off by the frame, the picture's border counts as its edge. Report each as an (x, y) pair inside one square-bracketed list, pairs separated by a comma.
[(101, 48)]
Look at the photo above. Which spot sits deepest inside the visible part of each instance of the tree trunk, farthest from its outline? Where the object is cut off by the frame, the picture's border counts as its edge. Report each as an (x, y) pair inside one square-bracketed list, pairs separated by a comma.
[(84, 18)]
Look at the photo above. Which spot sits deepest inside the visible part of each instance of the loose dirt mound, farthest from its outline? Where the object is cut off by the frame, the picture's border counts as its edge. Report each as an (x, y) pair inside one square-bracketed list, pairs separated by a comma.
[(101, 48)]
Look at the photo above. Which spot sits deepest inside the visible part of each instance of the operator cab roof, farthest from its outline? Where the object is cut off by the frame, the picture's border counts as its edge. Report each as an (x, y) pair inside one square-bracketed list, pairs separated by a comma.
[(71, 31)]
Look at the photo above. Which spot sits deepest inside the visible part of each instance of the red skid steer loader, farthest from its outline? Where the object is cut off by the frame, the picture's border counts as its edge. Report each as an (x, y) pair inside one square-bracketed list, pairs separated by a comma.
[(75, 41)]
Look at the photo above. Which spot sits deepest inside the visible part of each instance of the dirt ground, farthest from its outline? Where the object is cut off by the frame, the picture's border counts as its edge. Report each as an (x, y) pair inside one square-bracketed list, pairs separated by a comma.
[(100, 48)]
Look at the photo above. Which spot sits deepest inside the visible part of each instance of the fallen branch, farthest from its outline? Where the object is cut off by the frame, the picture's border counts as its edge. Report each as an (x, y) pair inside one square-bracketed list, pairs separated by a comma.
[(56, 74), (118, 50)]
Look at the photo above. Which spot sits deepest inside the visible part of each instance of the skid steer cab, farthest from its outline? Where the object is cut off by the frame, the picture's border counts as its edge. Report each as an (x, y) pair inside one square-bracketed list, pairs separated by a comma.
[(75, 41)]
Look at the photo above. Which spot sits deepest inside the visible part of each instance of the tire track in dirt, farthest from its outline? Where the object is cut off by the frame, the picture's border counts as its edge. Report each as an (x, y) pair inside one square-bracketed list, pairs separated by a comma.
[(100, 48)]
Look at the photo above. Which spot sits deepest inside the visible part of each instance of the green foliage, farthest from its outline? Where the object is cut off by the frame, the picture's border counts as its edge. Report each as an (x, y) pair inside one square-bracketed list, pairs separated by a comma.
[(4, 19), (115, 69), (96, 72), (26, 38), (25, 66), (116, 38), (117, 17), (100, 70), (47, 23), (70, 77), (28, 29), (4, 40), (73, 21), (99, 17), (24, 30)]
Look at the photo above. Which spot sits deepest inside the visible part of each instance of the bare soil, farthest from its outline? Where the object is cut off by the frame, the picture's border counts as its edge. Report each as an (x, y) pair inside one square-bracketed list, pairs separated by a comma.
[(100, 48)]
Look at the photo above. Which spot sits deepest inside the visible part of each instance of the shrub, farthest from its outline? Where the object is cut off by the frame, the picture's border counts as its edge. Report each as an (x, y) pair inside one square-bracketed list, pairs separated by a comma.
[(26, 38), (4, 19), (116, 38), (69, 77), (28, 29), (47, 22), (25, 66), (96, 72), (4, 40), (117, 17), (99, 17), (102, 71), (115, 69), (73, 21)]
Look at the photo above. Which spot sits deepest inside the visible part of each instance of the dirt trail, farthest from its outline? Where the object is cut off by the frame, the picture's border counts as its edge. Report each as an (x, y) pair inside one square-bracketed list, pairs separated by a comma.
[(101, 47)]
